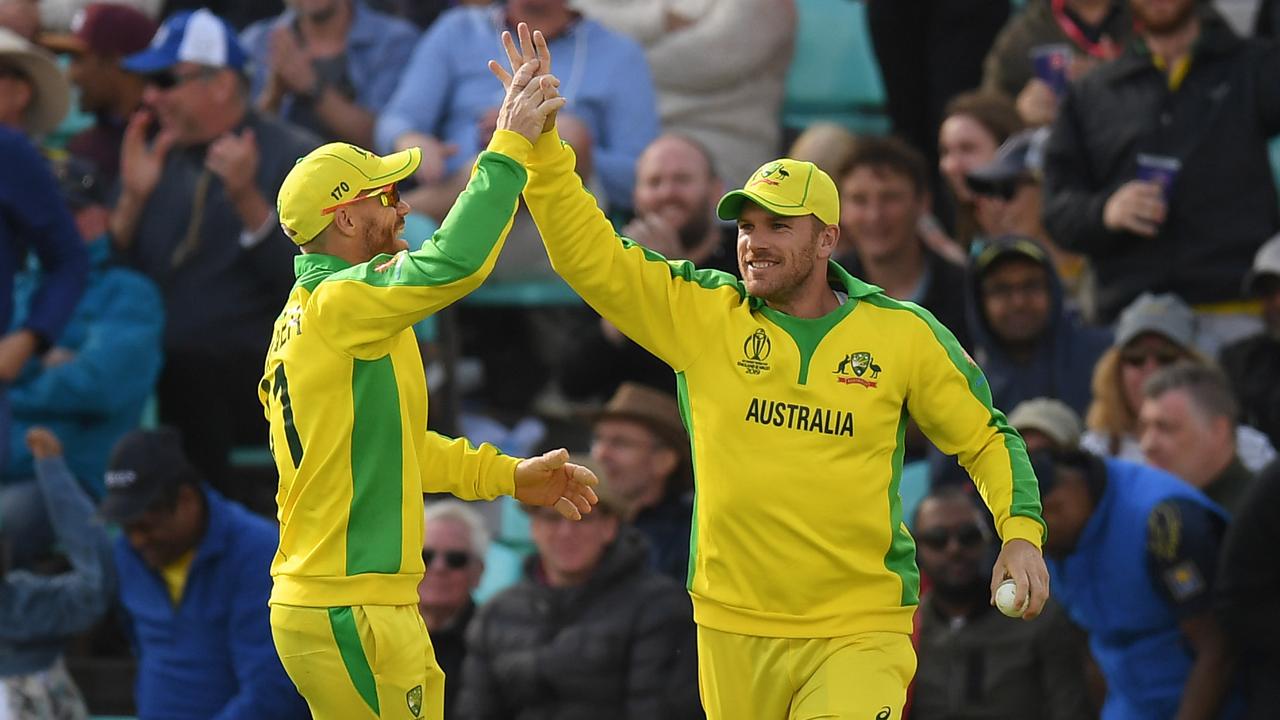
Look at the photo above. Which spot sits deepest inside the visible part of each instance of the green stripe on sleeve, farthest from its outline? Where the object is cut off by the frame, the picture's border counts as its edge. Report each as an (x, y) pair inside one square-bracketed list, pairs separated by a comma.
[(685, 270), (374, 523), (900, 558), (1025, 500), (343, 622), (682, 396)]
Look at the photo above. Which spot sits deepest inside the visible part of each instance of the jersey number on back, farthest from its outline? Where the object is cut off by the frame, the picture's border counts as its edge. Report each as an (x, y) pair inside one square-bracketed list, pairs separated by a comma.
[(280, 392)]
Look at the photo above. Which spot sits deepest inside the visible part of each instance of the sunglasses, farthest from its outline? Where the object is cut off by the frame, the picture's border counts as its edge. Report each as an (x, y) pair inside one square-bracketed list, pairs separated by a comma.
[(1140, 359), (388, 195), (969, 536), (168, 79), (453, 559)]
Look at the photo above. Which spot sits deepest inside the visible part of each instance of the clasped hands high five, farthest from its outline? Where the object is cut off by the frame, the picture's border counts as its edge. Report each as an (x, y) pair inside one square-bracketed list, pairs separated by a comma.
[(533, 93)]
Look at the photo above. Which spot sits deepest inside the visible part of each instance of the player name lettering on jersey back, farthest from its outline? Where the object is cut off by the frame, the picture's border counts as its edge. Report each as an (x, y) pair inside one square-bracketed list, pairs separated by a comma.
[(806, 418)]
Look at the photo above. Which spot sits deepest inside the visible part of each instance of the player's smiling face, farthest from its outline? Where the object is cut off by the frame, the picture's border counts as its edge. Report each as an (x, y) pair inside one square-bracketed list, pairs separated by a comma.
[(382, 228), (779, 255)]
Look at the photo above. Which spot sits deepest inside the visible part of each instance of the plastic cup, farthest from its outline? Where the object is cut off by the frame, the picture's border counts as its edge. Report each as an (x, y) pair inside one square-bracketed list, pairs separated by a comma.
[(1051, 63), (1159, 169)]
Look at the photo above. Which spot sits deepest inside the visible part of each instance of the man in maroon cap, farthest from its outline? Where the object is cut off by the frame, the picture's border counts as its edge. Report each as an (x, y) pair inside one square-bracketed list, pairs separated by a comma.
[(102, 34)]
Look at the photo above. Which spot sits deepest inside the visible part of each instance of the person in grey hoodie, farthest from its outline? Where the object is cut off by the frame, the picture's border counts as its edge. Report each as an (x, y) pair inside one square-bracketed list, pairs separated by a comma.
[(39, 611)]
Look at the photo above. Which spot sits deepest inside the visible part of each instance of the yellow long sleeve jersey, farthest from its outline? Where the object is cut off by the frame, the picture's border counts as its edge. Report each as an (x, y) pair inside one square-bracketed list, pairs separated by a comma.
[(796, 425), (346, 397)]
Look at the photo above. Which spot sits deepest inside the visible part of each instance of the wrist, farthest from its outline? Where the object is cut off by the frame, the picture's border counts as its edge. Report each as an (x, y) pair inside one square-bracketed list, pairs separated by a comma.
[(314, 90)]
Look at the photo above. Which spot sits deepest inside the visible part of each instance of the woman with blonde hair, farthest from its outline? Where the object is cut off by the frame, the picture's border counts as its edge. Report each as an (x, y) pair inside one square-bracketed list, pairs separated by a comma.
[(1155, 331)]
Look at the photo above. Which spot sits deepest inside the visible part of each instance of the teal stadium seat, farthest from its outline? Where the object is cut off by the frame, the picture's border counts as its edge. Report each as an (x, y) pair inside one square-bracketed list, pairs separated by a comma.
[(834, 76)]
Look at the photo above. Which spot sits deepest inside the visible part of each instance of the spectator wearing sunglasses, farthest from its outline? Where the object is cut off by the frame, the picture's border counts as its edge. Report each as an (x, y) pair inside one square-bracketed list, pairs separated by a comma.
[(974, 661), (1154, 331), (198, 170), (453, 554), (1007, 197), (1188, 421)]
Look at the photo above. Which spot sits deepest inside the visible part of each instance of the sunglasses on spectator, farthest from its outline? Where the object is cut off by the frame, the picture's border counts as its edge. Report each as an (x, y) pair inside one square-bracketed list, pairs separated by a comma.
[(388, 195), (969, 536), (453, 559), (1140, 359), (169, 79)]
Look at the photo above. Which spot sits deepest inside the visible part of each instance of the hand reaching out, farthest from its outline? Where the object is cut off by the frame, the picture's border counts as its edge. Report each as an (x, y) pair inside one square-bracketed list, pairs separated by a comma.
[(550, 480)]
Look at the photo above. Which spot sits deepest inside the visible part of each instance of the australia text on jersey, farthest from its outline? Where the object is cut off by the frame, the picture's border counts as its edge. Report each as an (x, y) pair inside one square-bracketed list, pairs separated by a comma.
[(795, 416)]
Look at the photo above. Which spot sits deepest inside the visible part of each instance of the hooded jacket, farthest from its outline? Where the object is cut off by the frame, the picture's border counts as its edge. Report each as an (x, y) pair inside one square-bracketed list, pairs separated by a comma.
[(1062, 366)]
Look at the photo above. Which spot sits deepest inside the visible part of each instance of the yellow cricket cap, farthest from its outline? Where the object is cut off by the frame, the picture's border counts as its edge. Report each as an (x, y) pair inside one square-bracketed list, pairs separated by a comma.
[(333, 174), (786, 187)]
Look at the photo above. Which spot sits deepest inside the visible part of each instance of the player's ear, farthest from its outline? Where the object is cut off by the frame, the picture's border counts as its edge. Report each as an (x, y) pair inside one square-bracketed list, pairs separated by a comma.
[(344, 220)]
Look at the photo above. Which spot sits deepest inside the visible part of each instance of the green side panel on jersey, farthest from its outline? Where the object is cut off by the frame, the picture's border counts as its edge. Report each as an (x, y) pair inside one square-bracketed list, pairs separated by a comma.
[(374, 526), (900, 559)]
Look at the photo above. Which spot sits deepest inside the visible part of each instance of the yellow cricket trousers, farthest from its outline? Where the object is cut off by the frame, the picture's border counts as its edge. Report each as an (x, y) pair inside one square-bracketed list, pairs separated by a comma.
[(366, 661), (855, 677)]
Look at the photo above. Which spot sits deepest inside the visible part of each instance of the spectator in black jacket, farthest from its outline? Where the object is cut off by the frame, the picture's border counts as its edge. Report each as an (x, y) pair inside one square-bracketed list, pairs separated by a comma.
[(591, 632), (1253, 364), (1111, 188), (1249, 585)]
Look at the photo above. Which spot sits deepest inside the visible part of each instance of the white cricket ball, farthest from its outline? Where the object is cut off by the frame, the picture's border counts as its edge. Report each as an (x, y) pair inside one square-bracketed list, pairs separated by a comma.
[(1005, 595)]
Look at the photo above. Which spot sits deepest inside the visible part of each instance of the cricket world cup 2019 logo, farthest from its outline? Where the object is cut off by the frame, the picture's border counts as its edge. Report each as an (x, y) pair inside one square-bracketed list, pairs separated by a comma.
[(772, 174), (854, 367), (755, 351)]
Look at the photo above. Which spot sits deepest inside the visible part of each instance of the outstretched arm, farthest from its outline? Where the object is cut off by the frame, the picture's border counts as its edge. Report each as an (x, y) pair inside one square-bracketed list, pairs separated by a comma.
[(374, 301), (662, 305)]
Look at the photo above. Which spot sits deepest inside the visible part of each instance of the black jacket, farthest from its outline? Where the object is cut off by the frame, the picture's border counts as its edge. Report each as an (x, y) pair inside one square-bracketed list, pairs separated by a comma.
[(450, 647), (1248, 584), (622, 646), (1222, 204), (1253, 365)]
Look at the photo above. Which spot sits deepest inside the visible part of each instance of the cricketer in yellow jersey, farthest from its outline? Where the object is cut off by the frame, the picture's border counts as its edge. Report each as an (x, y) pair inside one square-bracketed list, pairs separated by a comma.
[(344, 392), (796, 384)]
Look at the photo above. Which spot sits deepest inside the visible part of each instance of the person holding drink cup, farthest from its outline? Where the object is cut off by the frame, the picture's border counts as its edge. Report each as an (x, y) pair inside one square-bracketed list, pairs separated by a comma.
[(1157, 167)]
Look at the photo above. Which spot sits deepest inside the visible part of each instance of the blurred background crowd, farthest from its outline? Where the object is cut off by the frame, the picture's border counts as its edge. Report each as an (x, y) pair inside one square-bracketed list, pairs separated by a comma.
[(1083, 191)]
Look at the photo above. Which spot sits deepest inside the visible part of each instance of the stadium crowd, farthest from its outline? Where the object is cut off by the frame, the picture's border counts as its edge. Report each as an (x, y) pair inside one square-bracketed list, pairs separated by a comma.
[(1083, 191)]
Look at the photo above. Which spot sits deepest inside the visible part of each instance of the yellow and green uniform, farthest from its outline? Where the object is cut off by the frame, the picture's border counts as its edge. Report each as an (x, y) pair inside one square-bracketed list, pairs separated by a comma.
[(796, 425), (346, 397)]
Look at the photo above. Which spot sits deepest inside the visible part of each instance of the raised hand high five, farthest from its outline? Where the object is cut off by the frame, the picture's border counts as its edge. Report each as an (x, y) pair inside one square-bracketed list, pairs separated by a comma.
[(533, 48)]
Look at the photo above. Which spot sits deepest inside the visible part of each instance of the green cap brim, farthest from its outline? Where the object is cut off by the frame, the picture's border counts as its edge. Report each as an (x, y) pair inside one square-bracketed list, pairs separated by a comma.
[(730, 206)]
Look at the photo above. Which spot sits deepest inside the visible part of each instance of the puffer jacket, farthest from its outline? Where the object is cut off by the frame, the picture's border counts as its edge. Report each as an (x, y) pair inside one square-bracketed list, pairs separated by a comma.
[(620, 646)]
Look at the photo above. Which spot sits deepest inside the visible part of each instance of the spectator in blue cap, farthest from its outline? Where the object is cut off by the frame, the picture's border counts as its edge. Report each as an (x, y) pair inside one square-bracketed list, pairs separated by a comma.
[(194, 215)]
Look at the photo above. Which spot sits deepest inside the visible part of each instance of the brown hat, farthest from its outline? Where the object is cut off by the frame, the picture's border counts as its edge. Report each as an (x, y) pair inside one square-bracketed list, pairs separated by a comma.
[(652, 408)]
